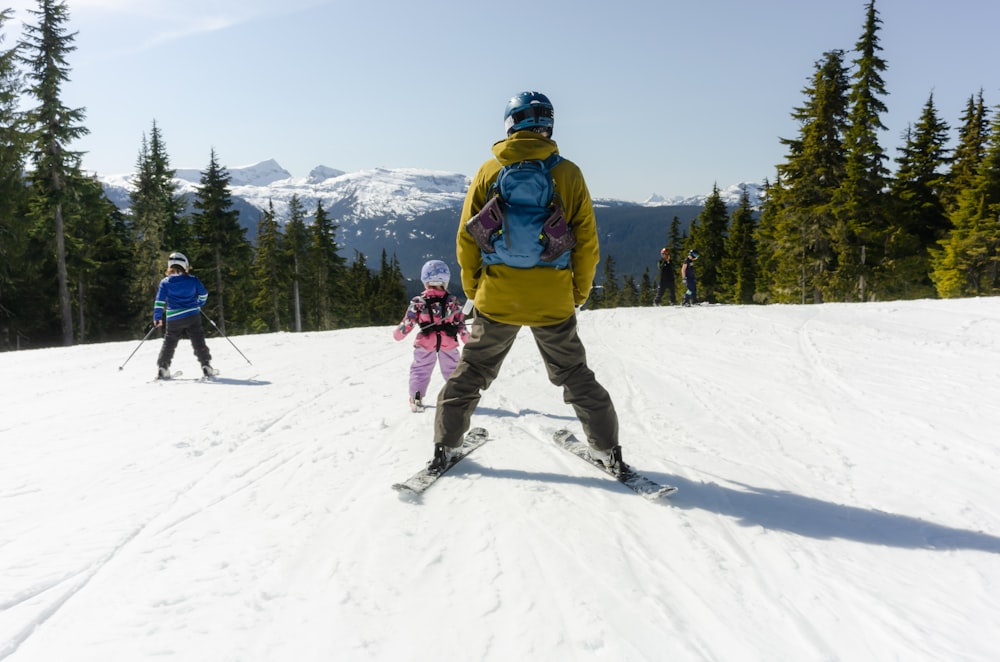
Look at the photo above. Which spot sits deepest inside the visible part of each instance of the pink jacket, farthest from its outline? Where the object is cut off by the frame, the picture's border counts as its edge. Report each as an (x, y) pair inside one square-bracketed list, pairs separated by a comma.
[(441, 324)]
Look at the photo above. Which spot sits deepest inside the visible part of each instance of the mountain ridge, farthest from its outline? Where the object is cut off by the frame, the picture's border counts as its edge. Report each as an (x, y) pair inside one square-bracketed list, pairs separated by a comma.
[(412, 212)]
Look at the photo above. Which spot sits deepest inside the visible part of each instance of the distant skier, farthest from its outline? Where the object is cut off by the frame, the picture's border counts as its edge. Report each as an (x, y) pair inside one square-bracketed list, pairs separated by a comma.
[(666, 278), (178, 301), (442, 325), (689, 278)]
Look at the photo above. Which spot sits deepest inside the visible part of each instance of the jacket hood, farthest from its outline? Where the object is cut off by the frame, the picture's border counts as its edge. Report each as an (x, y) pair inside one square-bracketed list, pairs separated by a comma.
[(523, 146)]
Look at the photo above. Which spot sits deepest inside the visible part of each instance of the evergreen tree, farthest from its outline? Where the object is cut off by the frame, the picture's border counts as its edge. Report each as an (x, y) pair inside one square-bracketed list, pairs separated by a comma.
[(610, 292), (797, 220), (13, 195), (629, 297), (675, 239), (919, 217), (296, 251), (177, 232), (269, 274), (327, 296), (708, 237), (98, 252), (390, 292), (972, 138), (53, 127), (967, 264), (148, 225), (861, 206), (740, 272), (647, 289), (113, 312), (221, 243), (360, 307), (158, 224)]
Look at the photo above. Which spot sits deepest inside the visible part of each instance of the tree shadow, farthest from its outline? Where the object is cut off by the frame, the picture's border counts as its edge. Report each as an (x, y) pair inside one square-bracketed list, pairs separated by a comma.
[(780, 510)]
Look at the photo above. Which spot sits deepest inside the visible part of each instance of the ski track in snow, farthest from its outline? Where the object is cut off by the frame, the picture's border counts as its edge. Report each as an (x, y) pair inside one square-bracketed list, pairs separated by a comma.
[(250, 518)]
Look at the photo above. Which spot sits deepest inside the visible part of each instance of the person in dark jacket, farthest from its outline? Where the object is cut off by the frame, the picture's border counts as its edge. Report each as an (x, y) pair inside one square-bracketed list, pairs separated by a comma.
[(178, 303), (689, 278), (666, 278)]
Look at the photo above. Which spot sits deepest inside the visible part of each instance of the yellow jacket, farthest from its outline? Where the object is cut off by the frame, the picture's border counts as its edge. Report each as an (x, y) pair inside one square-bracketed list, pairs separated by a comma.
[(539, 296)]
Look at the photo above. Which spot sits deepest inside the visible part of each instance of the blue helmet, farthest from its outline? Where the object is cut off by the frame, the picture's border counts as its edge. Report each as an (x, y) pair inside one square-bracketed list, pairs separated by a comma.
[(435, 272), (528, 110)]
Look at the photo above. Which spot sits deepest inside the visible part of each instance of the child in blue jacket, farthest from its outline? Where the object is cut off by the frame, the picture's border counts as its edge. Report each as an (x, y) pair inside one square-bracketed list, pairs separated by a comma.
[(179, 301)]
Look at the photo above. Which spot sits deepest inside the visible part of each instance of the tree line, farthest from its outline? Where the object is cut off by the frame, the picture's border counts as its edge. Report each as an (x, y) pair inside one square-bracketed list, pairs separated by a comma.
[(75, 268), (834, 225)]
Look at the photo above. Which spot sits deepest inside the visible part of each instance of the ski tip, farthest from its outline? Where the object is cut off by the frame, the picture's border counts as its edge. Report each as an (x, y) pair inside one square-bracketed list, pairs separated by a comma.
[(406, 494)]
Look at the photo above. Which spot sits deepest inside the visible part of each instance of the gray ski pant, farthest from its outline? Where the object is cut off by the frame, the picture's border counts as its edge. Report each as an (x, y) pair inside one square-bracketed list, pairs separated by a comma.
[(565, 361)]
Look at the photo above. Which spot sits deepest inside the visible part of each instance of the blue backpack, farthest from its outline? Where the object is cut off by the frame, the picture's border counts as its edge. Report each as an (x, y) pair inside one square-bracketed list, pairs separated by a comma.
[(522, 225)]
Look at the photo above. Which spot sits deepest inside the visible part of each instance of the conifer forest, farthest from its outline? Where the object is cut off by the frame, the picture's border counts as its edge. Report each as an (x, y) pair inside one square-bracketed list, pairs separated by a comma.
[(842, 219)]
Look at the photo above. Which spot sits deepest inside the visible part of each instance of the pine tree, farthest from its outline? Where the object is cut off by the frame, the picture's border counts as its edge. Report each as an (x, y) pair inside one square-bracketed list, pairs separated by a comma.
[(629, 297), (610, 292), (919, 217), (96, 251), (53, 127), (708, 237), (221, 243), (158, 224), (112, 312), (861, 206), (147, 225), (327, 297), (675, 239), (967, 264), (390, 292), (797, 220), (269, 274), (296, 251), (647, 289), (972, 138), (360, 309), (13, 198), (740, 272), (177, 232)]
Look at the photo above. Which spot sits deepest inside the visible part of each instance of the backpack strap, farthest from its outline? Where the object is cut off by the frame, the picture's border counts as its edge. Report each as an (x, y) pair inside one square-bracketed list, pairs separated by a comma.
[(440, 325)]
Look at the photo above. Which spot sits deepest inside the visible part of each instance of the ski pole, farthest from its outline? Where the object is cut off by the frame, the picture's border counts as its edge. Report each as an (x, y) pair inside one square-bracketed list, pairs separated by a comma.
[(225, 336), (151, 329)]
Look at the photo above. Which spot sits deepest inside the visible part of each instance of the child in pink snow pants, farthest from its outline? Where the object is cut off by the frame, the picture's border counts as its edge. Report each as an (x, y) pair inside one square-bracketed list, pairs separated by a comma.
[(441, 325)]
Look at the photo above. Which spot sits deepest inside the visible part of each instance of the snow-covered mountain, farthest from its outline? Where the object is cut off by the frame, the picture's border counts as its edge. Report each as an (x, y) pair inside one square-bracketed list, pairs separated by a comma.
[(401, 192), (731, 195), (412, 212)]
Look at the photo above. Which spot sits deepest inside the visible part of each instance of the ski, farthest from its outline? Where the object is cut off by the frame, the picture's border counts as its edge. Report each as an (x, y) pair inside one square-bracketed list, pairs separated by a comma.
[(178, 373), (174, 375), (630, 478), (416, 484)]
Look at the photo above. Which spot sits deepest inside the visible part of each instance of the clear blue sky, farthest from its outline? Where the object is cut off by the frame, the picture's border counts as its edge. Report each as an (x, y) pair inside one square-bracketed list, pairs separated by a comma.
[(651, 96)]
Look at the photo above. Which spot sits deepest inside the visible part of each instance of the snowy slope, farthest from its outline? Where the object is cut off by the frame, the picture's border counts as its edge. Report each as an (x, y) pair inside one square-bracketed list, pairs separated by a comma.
[(837, 467)]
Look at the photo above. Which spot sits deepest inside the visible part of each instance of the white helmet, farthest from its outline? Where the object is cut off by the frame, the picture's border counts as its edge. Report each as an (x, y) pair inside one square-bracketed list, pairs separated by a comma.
[(178, 259), (435, 272)]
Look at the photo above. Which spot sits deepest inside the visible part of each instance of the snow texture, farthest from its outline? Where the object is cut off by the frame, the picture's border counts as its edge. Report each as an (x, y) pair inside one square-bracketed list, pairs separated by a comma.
[(837, 467)]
